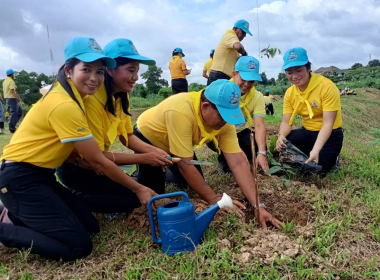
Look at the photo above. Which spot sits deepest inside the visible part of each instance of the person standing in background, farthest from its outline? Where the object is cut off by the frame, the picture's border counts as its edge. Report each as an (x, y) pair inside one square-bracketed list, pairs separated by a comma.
[(268, 103), (14, 101), (178, 72), (228, 51), (207, 66), (2, 115)]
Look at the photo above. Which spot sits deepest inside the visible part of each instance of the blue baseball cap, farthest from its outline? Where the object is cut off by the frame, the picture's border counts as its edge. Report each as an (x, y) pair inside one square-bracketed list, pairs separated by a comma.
[(226, 97), (125, 48), (267, 90), (87, 50), (179, 50), (243, 25), (295, 57), (10, 72), (212, 51), (248, 68)]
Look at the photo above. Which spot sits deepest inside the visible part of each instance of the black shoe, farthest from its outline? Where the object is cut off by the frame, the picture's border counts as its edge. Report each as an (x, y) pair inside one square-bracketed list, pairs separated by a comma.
[(12, 130)]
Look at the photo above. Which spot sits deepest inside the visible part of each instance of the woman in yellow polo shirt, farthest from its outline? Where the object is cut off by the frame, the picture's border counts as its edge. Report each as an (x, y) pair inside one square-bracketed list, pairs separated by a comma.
[(108, 116), (178, 71), (47, 218), (317, 100)]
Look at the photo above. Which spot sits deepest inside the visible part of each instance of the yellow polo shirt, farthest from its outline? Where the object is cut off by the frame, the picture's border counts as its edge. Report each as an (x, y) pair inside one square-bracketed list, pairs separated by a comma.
[(268, 99), (104, 126), (46, 135), (172, 126), (225, 55), (176, 67), (256, 108), (324, 97), (8, 85), (207, 66)]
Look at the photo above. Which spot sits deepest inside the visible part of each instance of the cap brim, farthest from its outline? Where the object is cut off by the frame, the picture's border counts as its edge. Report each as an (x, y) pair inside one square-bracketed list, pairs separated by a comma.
[(249, 76), (141, 59), (183, 55), (293, 64), (247, 31), (90, 57), (231, 116)]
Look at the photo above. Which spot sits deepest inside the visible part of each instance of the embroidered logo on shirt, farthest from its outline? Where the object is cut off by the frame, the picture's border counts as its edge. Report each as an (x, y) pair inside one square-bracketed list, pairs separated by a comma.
[(80, 129), (314, 104), (292, 56), (234, 99), (94, 45), (252, 65), (4, 190)]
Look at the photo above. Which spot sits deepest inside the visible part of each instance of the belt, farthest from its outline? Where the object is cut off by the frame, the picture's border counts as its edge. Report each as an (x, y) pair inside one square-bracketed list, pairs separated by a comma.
[(219, 72)]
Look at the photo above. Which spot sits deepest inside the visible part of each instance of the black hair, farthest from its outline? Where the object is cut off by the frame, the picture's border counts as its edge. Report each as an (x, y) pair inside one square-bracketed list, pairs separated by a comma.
[(108, 83), (308, 66), (212, 54), (10, 75), (175, 53), (267, 93), (204, 99), (61, 78)]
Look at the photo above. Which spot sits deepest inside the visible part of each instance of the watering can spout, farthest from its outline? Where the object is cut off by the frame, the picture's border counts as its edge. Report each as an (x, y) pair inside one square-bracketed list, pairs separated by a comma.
[(204, 218)]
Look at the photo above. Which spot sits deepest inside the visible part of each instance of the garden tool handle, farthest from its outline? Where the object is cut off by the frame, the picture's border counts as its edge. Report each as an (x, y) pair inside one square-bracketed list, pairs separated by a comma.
[(150, 212), (174, 159)]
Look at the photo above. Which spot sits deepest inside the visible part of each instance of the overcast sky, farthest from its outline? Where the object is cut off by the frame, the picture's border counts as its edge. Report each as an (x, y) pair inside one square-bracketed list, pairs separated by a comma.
[(334, 32)]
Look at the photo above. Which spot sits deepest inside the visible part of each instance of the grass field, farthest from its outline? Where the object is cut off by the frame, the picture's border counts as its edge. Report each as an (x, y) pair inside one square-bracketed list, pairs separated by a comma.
[(331, 231)]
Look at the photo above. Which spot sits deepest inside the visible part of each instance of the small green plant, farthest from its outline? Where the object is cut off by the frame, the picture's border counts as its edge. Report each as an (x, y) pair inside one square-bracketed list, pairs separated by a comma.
[(281, 168)]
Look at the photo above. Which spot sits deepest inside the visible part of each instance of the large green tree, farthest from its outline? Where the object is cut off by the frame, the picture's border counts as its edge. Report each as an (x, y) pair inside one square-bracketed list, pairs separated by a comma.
[(356, 66), (154, 82), (374, 63)]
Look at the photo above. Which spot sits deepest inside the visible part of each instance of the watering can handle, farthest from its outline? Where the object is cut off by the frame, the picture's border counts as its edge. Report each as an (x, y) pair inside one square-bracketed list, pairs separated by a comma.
[(150, 212)]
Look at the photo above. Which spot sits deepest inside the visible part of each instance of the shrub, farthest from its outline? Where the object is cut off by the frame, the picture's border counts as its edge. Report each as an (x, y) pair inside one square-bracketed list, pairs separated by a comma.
[(165, 92)]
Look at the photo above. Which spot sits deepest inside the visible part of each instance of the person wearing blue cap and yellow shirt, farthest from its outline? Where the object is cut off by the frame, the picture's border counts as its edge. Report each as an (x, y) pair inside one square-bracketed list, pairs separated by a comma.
[(228, 51), (108, 115), (317, 100), (194, 118), (14, 101), (2, 115), (268, 102), (47, 218), (253, 108), (207, 66), (178, 71)]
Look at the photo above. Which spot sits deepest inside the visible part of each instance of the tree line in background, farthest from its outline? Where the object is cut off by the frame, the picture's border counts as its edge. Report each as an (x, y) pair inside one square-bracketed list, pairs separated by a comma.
[(28, 84)]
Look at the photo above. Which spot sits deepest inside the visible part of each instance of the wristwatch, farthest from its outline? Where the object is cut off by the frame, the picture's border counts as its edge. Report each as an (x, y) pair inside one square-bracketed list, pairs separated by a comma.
[(260, 205), (262, 153)]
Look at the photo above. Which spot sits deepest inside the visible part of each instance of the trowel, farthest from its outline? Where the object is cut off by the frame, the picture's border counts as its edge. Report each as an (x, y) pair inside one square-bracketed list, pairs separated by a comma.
[(193, 162)]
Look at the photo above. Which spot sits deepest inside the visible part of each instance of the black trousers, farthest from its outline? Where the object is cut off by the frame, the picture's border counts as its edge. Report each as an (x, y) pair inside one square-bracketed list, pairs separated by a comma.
[(216, 75), (269, 109), (179, 85), (305, 139), (244, 138), (99, 193), (47, 217), (154, 177)]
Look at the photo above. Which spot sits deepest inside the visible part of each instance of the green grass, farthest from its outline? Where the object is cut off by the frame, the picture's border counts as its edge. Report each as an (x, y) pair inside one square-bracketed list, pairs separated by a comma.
[(340, 240)]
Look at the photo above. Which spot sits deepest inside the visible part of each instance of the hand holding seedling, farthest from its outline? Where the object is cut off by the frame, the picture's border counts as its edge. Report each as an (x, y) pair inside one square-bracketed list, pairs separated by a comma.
[(314, 156), (280, 142), (262, 161)]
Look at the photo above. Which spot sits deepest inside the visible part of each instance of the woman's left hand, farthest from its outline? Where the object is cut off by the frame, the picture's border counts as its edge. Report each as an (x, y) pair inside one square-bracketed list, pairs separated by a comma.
[(314, 156)]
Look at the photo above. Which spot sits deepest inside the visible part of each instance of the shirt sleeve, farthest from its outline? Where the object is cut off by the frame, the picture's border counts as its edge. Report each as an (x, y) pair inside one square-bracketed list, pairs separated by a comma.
[(183, 65), (128, 125), (12, 85), (69, 129), (288, 108), (330, 98), (205, 67), (228, 141), (230, 40), (180, 134), (95, 122), (259, 109)]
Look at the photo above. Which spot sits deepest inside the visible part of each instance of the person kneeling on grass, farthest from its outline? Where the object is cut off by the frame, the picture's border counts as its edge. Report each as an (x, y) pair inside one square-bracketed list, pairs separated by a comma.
[(252, 105), (317, 100), (187, 119), (47, 218), (108, 116), (268, 103)]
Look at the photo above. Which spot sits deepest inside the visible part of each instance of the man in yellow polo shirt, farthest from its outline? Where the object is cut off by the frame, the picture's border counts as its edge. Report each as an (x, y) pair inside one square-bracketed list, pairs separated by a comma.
[(184, 120), (253, 107), (228, 51), (14, 101), (207, 66)]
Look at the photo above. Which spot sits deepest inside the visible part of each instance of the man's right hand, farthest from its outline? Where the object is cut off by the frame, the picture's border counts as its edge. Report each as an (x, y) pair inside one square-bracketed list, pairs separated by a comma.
[(156, 159), (280, 142), (238, 206), (144, 194)]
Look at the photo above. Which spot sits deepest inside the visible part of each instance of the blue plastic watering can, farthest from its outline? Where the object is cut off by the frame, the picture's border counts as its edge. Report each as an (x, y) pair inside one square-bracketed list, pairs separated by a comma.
[(180, 228)]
